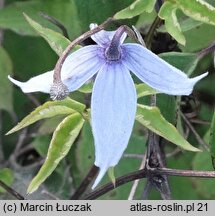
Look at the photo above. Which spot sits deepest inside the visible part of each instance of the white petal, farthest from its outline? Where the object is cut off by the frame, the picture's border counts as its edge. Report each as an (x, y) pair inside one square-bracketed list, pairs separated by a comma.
[(157, 73), (113, 111), (103, 38), (40, 83), (78, 67)]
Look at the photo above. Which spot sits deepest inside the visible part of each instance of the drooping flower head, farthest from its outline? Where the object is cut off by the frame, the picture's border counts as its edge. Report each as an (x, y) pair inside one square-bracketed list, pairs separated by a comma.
[(113, 104)]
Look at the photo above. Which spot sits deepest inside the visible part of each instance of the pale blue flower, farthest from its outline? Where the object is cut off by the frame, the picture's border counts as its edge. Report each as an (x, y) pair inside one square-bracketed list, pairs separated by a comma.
[(114, 98)]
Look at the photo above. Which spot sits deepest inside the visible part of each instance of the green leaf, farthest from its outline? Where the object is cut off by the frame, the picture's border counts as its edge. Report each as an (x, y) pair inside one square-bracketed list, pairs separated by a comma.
[(189, 24), (186, 62), (212, 2), (168, 13), (11, 16), (185, 24), (6, 97), (41, 144), (144, 90), (198, 38), (48, 110), (135, 9), (167, 105), (212, 140), (6, 175), (86, 88), (197, 9), (151, 118), (145, 20), (62, 140), (73, 104), (56, 41), (84, 153), (48, 126), (96, 11), (59, 183)]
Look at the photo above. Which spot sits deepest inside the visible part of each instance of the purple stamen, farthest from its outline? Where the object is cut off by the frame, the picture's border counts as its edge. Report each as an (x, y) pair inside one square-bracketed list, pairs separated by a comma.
[(113, 52)]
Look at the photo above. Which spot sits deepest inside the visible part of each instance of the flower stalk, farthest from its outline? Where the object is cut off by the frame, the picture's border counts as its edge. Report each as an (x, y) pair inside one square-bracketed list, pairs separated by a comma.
[(59, 91)]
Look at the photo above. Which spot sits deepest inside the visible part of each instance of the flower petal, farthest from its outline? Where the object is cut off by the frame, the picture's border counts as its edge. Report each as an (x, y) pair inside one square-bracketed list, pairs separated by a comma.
[(103, 38), (157, 73), (40, 83), (78, 67), (113, 111), (81, 65)]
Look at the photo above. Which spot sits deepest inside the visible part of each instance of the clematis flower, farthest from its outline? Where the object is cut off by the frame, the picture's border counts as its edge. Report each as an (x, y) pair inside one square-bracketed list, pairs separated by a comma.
[(113, 104)]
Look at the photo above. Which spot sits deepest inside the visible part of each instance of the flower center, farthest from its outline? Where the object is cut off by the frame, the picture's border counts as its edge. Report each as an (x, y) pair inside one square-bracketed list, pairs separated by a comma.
[(113, 51)]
